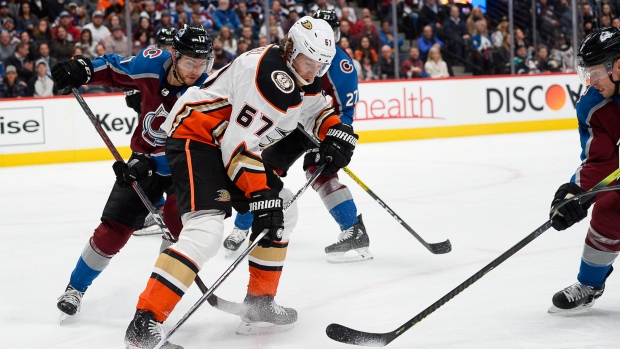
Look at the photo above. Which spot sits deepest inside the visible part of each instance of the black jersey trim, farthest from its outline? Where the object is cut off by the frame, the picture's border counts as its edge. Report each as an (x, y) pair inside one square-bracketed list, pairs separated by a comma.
[(266, 84)]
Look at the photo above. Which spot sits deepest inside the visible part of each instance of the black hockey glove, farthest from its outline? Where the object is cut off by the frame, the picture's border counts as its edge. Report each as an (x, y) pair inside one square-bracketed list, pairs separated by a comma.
[(138, 168), (573, 211), (338, 146), (72, 73), (134, 100), (266, 206)]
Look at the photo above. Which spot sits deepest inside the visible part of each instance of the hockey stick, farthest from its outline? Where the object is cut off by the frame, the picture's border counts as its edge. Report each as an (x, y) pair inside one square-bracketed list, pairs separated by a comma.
[(135, 185), (350, 336), (235, 308), (436, 248), (234, 265)]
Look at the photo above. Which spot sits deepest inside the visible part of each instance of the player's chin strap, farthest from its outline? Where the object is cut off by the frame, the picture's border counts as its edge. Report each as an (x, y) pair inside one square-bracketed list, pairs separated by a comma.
[(174, 73), (616, 83), (301, 80)]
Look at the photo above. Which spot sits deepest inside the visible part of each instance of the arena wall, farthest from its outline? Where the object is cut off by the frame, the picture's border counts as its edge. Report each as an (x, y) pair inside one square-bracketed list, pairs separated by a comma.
[(56, 130)]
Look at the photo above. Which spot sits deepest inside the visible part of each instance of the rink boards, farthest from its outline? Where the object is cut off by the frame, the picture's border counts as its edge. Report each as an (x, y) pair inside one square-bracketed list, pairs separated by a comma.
[(56, 130)]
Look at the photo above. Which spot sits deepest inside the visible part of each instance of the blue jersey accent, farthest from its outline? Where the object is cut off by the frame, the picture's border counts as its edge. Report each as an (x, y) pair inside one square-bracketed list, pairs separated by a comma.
[(244, 221), (83, 276), (340, 83), (589, 102), (163, 168)]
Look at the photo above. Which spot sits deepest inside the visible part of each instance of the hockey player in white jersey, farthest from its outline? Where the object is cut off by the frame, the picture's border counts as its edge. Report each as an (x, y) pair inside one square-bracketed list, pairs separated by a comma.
[(216, 135), (340, 83)]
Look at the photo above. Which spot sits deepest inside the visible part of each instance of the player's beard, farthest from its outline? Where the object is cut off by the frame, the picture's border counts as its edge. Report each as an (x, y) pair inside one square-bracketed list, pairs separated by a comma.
[(184, 79)]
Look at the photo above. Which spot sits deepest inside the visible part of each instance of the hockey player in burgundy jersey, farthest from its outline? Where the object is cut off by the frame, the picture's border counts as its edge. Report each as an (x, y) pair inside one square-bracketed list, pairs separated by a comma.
[(598, 113), (133, 99), (161, 77), (216, 135), (340, 83)]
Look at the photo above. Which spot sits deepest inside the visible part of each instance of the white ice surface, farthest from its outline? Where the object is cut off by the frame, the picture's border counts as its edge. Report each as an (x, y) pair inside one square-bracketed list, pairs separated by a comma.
[(483, 193)]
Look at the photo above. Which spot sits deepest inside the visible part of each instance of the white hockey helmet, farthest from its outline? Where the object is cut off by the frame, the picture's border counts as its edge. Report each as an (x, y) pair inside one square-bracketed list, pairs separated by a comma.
[(315, 39)]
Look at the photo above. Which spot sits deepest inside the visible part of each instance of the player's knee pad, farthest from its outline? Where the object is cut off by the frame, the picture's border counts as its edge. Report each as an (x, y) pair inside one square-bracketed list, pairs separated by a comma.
[(110, 237), (290, 216), (201, 236)]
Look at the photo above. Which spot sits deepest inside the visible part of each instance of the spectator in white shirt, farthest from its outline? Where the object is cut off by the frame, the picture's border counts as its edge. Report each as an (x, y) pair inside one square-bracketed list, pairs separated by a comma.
[(96, 27)]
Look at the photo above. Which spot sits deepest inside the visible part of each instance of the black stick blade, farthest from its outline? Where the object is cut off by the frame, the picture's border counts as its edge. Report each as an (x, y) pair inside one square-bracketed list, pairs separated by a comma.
[(347, 335), (440, 247)]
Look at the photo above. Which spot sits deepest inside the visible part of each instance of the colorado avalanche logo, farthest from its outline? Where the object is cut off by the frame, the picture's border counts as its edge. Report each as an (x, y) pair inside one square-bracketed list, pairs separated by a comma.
[(346, 66), (151, 132)]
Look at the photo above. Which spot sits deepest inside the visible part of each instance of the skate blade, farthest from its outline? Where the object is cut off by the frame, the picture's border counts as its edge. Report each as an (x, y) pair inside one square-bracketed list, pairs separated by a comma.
[(152, 230), (63, 317), (363, 254), (258, 328), (581, 309), (231, 254)]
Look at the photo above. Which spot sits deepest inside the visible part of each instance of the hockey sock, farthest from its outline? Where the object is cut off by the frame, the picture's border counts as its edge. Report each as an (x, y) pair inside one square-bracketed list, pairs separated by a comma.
[(593, 275), (172, 275), (244, 221), (266, 268), (595, 266), (89, 266), (345, 214), (337, 199)]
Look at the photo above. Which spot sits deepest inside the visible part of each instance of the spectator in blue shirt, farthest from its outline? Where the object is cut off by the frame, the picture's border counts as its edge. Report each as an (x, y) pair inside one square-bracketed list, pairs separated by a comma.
[(225, 16), (387, 36), (426, 41)]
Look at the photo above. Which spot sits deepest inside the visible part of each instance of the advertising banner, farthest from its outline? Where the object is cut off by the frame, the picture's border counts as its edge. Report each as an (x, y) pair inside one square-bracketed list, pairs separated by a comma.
[(56, 129)]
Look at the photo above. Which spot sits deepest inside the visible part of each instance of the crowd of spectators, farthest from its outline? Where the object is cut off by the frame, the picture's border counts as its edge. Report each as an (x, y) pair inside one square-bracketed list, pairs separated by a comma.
[(35, 34), (481, 41)]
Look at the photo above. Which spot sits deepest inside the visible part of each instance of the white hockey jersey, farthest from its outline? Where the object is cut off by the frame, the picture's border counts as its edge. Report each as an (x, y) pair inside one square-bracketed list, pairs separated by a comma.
[(245, 107)]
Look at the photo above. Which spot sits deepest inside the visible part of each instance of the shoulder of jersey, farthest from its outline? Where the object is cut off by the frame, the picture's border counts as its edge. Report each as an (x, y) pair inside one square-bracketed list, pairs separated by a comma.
[(342, 62), (152, 59), (590, 99), (275, 82)]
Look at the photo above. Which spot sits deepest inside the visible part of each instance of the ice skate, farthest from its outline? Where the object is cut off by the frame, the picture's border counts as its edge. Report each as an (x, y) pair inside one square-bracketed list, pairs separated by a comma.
[(150, 226), (69, 303), (144, 332), (353, 239), (263, 316), (575, 298), (234, 241)]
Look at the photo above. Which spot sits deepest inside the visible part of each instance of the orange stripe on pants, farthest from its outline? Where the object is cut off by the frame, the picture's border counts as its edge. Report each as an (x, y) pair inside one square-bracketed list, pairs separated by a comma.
[(159, 299), (190, 173)]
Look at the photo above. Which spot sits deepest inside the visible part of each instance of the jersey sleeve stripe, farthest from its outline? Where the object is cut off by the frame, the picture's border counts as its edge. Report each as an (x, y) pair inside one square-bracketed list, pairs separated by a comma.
[(324, 121), (247, 171)]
